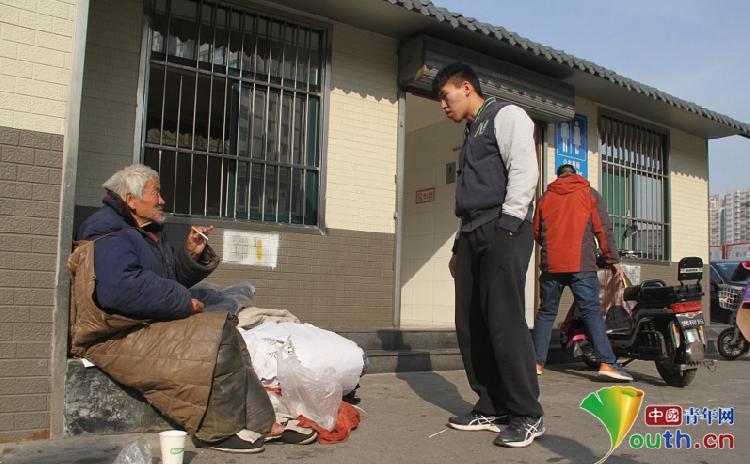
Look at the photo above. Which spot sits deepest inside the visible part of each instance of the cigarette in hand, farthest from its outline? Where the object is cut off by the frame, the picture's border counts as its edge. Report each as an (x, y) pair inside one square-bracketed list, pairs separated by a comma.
[(205, 237)]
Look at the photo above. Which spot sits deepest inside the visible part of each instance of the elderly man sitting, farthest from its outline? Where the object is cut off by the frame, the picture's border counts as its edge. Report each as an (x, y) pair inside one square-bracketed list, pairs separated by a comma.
[(133, 316)]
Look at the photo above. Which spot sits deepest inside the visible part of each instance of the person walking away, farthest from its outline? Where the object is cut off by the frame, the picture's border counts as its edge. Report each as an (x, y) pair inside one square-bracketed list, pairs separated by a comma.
[(568, 216)]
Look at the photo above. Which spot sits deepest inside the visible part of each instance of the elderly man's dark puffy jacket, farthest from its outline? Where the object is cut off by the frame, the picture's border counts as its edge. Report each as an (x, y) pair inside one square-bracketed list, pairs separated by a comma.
[(138, 273)]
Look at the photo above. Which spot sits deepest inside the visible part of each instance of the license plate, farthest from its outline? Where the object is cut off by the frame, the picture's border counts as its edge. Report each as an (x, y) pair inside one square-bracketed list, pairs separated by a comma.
[(690, 320)]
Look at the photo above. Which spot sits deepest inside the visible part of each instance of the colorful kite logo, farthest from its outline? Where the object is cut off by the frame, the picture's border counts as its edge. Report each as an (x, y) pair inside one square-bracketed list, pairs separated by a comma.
[(617, 409)]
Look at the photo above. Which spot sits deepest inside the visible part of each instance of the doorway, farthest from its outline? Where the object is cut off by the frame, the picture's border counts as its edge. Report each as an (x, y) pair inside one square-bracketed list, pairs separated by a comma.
[(432, 147)]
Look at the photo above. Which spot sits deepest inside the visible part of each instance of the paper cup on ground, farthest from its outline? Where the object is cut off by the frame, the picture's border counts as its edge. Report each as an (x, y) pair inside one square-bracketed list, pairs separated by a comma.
[(172, 444)]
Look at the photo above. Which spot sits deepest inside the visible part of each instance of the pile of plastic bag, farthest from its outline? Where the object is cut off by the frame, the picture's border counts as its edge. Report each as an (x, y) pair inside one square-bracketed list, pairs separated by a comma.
[(316, 349), (312, 368)]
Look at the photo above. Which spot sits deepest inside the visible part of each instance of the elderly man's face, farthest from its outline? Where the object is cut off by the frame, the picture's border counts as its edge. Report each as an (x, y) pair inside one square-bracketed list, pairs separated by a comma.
[(149, 208)]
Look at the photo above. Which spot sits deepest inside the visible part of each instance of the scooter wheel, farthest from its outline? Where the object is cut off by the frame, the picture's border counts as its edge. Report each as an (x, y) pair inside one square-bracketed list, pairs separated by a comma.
[(730, 348), (673, 375)]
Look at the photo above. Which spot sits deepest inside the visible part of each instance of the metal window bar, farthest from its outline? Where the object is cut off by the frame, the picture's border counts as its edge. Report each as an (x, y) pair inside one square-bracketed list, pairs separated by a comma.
[(634, 187), (280, 117), (278, 80)]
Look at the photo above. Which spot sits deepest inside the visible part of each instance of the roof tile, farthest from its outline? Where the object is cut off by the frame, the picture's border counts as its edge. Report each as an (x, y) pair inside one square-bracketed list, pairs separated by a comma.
[(456, 20)]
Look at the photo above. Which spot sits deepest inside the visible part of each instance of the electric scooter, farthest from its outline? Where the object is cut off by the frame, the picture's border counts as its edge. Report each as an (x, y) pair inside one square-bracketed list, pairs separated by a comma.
[(652, 322), (733, 341)]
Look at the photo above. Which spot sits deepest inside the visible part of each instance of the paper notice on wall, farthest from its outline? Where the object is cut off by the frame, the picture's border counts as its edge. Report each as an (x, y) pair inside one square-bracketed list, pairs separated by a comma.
[(250, 248)]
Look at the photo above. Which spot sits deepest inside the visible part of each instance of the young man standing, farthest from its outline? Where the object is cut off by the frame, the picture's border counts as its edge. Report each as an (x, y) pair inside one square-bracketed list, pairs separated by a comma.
[(497, 178)]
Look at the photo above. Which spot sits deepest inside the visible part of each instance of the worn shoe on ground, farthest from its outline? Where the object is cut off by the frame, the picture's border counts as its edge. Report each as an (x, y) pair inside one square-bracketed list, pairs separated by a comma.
[(520, 432), (238, 443), (294, 434), (614, 372), (473, 422), (539, 369)]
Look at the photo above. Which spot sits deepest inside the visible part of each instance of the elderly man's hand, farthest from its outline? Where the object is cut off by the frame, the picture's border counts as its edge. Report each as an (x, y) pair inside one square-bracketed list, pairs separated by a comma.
[(198, 306), (197, 239)]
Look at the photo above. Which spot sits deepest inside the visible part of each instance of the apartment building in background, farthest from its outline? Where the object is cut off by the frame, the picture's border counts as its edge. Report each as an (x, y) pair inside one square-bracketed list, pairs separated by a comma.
[(729, 217)]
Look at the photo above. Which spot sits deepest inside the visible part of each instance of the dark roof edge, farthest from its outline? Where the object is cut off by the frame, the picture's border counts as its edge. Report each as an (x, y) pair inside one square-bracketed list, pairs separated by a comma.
[(458, 21)]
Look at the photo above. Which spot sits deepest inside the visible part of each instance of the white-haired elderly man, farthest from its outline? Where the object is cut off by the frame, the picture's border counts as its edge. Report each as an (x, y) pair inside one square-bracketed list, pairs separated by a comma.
[(133, 316)]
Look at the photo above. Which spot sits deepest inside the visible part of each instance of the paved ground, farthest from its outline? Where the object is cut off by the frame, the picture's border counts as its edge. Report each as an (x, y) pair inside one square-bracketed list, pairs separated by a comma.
[(404, 411)]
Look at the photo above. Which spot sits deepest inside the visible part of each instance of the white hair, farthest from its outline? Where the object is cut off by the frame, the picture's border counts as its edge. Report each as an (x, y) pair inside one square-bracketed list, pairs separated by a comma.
[(130, 180)]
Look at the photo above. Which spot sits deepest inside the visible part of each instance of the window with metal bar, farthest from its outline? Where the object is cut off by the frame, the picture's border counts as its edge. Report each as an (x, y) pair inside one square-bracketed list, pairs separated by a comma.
[(233, 112), (634, 185)]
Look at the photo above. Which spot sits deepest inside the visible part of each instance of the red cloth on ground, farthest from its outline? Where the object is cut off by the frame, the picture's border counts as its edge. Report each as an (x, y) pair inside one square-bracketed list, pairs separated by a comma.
[(347, 420)]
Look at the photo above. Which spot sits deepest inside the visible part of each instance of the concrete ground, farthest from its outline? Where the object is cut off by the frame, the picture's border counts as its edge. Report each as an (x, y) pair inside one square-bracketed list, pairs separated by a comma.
[(406, 414)]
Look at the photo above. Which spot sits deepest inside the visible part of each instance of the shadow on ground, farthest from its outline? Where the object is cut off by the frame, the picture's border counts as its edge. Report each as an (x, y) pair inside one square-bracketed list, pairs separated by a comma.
[(580, 370), (428, 385), (570, 450)]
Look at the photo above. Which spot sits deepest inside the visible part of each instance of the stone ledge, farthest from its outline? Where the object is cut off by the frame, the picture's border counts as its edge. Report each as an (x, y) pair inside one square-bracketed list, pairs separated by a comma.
[(94, 403)]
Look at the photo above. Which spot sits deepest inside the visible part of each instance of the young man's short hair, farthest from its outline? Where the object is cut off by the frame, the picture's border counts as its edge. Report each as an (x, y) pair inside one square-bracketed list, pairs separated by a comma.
[(456, 73), (566, 169)]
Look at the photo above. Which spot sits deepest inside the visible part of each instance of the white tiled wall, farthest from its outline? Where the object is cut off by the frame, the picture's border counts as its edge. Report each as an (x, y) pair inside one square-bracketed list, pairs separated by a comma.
[(36, 41), (688, 165), (427, 296), (363, 132)]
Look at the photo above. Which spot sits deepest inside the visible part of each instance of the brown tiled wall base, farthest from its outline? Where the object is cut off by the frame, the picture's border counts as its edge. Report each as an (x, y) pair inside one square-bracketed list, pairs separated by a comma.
[(30, 179), (343, 279)]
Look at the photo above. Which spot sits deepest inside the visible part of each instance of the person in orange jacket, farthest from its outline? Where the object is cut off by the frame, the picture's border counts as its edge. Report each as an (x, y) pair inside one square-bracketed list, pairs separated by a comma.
[(568, 217)]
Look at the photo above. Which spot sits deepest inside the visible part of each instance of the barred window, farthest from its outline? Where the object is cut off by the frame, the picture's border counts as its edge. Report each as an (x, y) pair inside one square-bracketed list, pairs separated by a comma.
[(233, 112), (634, 185)]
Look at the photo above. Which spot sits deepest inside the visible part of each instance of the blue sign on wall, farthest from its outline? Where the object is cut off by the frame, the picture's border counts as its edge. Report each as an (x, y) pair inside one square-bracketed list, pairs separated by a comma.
[(572, 147)]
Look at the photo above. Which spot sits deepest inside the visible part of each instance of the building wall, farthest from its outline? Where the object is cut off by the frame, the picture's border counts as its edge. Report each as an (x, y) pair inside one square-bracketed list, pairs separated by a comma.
[(363, 116), (343, 279), (36, 38), (688, 164), (591, 111), (339, 277), (427, 293), (363, 132), (30, 173), (110, 85), (688, 196), (35, 59)]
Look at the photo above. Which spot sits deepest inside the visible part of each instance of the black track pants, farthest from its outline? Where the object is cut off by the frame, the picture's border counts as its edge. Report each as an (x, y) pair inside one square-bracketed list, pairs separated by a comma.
[(494, 339)]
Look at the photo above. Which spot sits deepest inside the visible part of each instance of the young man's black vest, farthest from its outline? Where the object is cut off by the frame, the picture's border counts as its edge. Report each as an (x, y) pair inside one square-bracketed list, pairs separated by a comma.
[(482, 176)]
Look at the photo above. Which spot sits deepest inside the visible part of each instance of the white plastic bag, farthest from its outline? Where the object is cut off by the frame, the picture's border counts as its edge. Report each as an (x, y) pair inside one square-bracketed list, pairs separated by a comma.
[(317, 349), (315, 394), (136, 452)]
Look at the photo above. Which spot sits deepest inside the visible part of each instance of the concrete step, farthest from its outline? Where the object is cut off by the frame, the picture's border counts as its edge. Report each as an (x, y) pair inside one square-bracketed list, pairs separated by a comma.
[(402, 340), (435, 350), (411, 361), (422, 350)]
